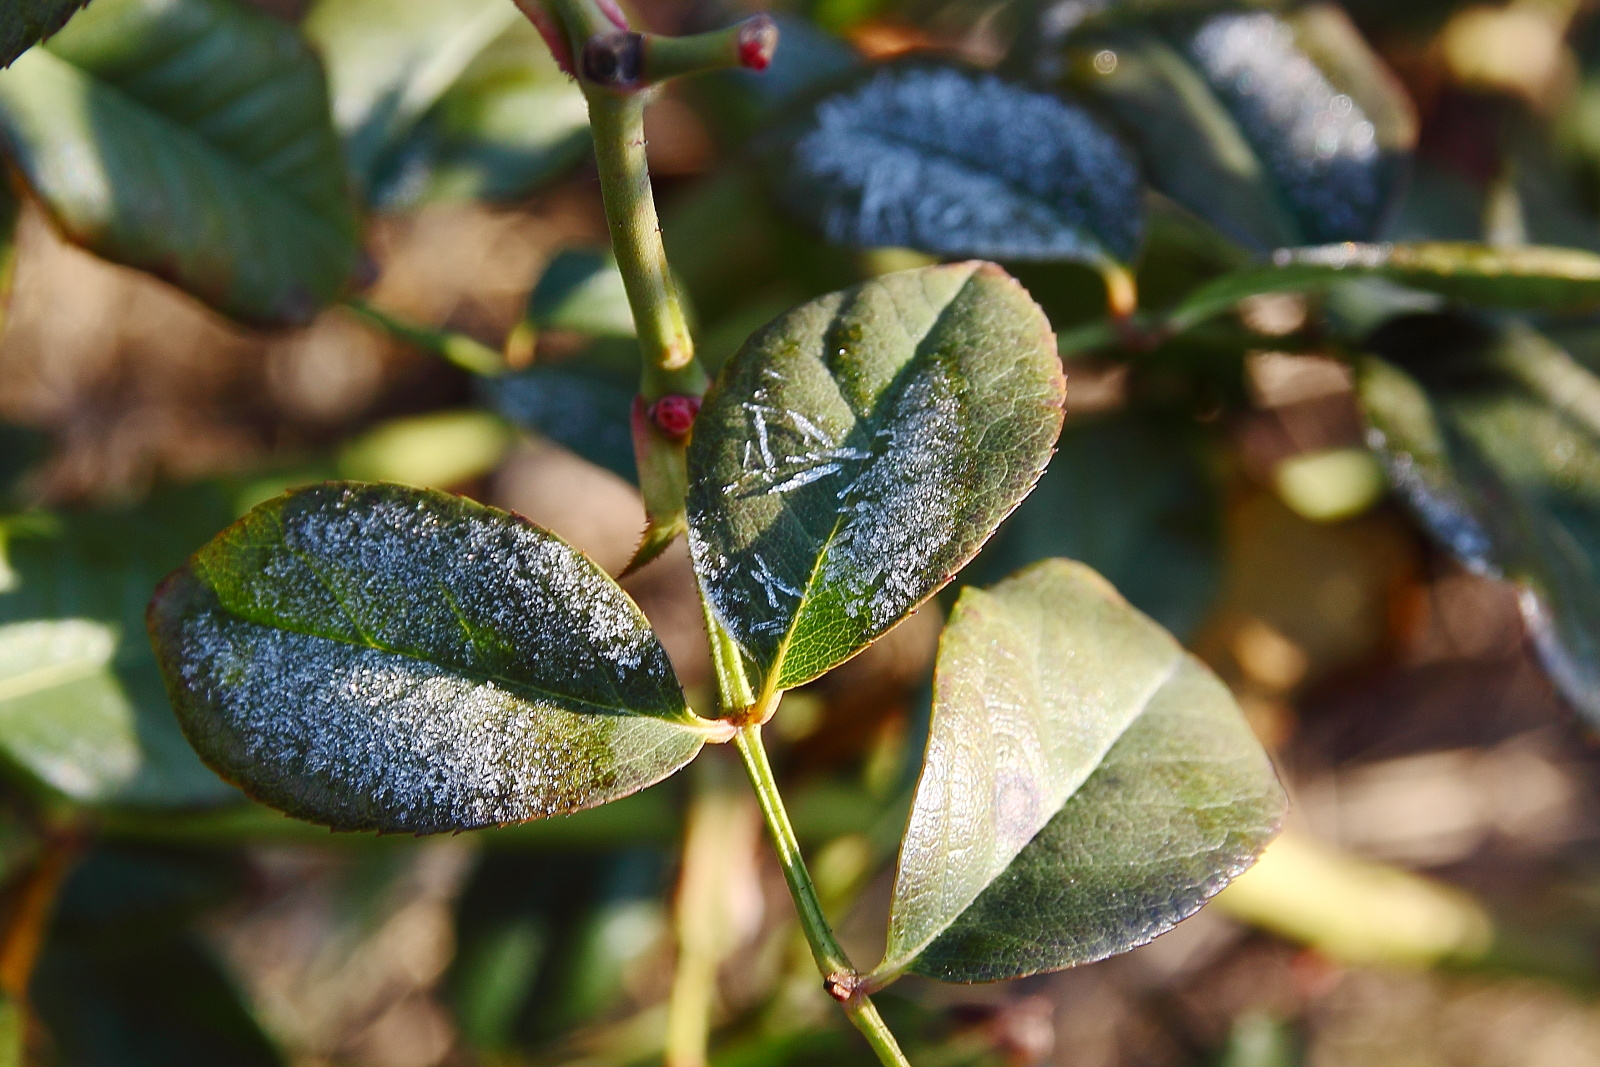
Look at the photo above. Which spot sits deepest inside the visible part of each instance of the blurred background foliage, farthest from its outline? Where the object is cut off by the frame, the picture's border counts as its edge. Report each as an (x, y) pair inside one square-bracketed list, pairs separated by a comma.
[(1435, 899)]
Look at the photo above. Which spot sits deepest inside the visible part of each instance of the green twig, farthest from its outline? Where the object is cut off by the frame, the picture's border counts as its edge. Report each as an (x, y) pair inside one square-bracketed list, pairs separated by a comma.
[(839, 976), (463, 351)]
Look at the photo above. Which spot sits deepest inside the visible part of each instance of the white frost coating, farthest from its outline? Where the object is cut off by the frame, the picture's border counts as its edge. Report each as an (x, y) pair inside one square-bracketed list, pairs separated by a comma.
[(1318, 143), (1037, 679), (964, 164), (364, 738)]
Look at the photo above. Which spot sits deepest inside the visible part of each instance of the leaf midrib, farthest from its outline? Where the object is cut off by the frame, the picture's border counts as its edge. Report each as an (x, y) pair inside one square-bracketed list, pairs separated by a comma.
[(909, 955), (513, 685), (769, 683)]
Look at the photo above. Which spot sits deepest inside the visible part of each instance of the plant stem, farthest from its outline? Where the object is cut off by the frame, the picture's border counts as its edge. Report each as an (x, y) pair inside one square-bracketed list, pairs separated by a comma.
[(617, 122), (32, 908), (832, 963), (463, 351)]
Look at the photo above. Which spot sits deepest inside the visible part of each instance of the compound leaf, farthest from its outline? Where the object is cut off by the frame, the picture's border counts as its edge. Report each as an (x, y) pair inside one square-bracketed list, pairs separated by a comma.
[(82, 708), (1276, 130), (446, 99), (190, 139), (1530, 277), (960, 163), (1087, 785), (30, 21), (377, 657), (857, 451), (1493, 440)]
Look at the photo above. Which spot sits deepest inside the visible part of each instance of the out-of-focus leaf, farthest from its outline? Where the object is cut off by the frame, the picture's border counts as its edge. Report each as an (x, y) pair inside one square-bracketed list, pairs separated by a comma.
[(1131, 499), (1493, 439), (123, 982), (857, 451), (26, 22), (375, 657), (446, 98), (582, 291), (9, 210), (1532, 277), (1277, 130), (436, 451), (13, 1033), (191, 139), (581, 404), (1088, 785), (82, 709), (1355, 910), (959, 163)]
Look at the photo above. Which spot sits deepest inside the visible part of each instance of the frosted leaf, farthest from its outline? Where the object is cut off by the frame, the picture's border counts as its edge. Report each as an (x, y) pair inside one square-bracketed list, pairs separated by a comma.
[(376, 657), (1492, 439), (961, 163), (858, 451), (1277, 130), (1087, 785)]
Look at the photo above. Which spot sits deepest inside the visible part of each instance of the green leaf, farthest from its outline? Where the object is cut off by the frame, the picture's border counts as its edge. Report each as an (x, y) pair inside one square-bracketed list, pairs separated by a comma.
[(1493, 440), (376, 657), (858, 451), (959, 163), (435, 451), (1530, 277), (446, 99), (1131, 498), (30, 21), (191, 139), (82, 708), (1275, 130), (1088, 785), (581, 290), (578, 403)]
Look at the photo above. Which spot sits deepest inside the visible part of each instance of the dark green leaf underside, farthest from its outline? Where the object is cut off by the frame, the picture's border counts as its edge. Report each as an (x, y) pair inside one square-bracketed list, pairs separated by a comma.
[(374, 657), (858, 451), (960, 163), (190, 139)]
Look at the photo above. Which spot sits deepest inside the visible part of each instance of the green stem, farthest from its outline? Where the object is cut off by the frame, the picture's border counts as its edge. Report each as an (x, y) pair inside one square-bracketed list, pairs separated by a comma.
[(455, 348), (617, 122), (835, 967)]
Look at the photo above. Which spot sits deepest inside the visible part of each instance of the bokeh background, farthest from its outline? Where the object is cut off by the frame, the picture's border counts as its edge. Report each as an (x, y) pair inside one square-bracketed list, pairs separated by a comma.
[(1435, 899)]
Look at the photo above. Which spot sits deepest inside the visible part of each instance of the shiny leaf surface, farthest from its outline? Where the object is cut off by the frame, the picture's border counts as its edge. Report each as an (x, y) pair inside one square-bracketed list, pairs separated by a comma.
[(82, 709), (375, 657), (1276, 130), (26, 22), (446, 98), (1087, 785), (858, 451), (1531, 277), (1494, 443), (190, 139), (960, 163)]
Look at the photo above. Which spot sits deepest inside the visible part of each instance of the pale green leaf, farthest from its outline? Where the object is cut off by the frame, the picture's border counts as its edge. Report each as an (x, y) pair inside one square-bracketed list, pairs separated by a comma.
[(1087, 785)]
